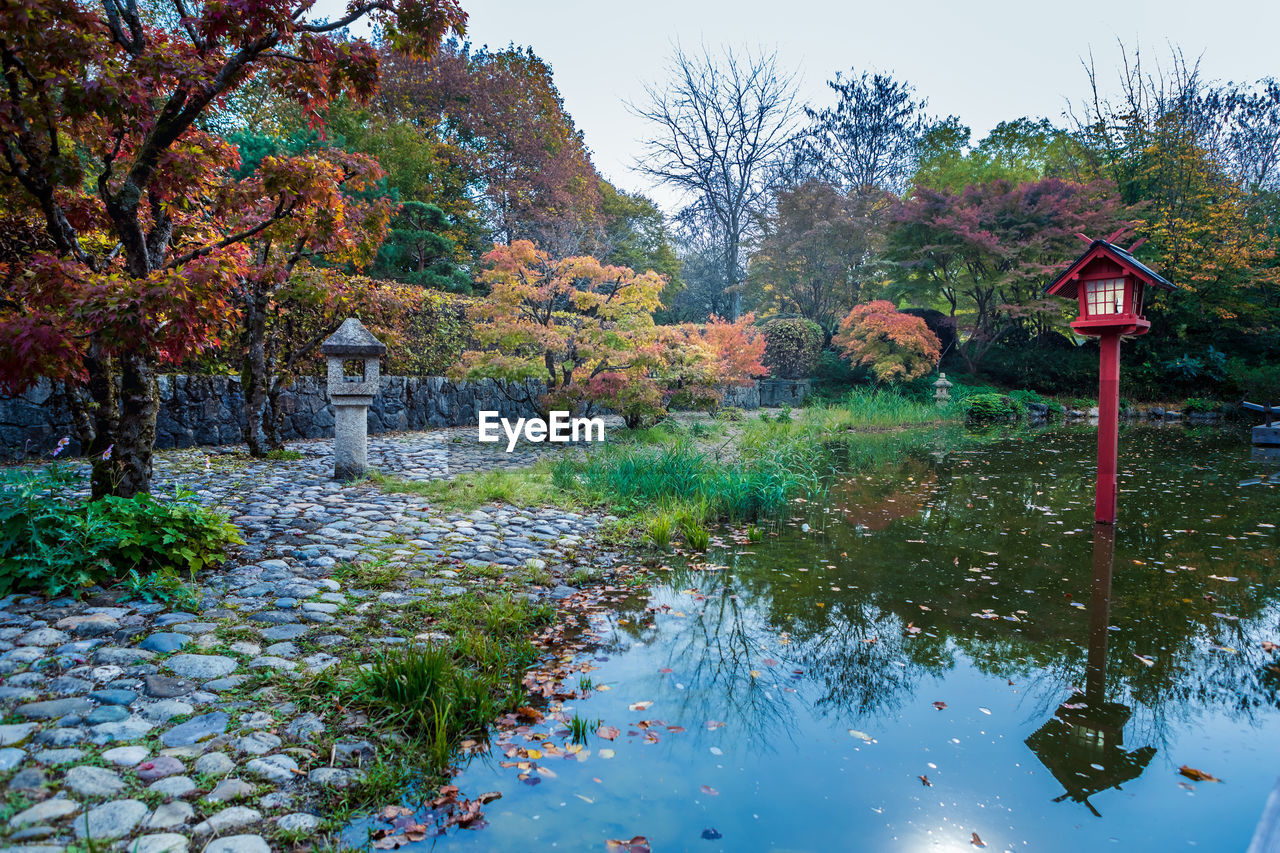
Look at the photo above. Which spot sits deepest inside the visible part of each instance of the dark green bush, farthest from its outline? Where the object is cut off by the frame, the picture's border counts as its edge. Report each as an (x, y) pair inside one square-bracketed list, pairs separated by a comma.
[(791, 347), (982, 408), (1201, 404), (52, 541)]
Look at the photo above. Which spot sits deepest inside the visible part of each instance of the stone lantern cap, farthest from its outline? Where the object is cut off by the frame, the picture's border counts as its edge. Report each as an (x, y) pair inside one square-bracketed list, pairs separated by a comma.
[(353, 339)]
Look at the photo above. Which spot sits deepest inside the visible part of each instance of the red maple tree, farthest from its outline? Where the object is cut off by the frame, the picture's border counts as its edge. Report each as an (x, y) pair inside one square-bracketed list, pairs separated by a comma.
[(102, 147)]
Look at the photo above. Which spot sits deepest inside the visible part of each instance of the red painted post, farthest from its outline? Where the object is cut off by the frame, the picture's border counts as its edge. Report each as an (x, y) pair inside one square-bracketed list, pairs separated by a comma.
[(1104, 507)]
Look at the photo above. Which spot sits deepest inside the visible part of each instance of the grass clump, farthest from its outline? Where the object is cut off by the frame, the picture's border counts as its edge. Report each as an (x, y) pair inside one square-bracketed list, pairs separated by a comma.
[(432, 696), (680, 474), (283, 454), (660, 529), (580, 728)]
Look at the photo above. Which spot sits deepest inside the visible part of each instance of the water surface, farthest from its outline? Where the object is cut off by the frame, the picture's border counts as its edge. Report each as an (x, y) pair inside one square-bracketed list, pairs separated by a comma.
[(931, 658)]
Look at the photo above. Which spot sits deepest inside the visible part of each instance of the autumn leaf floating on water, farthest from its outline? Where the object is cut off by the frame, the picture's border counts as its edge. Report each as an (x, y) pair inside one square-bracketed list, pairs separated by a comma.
[(1197, 775), (924, 780), (640, 706), (941, 706), (710, 791), (638, 844), (608, 732), (976, 841), (529, 715)]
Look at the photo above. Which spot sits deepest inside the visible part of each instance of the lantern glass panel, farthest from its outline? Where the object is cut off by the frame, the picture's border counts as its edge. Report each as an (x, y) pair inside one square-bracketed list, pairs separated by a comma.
[(1104, 296)]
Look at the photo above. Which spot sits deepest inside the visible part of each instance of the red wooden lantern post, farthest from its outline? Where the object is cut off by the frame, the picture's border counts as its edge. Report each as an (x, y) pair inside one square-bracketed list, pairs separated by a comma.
[(1110, 285)]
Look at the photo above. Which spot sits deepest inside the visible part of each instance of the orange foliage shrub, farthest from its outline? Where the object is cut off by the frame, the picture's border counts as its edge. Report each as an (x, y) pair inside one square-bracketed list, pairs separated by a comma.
[(897, 347)]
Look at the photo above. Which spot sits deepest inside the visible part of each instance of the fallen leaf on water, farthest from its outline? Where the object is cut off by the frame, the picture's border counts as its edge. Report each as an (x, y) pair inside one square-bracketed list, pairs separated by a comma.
[(707, 789), (666, 670), (535, 754), (861, 735), (640, 706), (976, 841), (712, 725), (546, 771), (675, 729), (769, 662), (1146, 660), (585, 799), (986, 711), (639, 844), (533, 715), (755, 673), (1268, 646), (1197, 775), (606, 753), (941, 706), (715, 750), (924, 780), (711, 834), (489, 797), (608, 732)]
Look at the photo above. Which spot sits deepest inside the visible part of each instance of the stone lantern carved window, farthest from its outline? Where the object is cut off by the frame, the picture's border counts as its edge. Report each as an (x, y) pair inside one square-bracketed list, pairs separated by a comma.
[(353, 370)]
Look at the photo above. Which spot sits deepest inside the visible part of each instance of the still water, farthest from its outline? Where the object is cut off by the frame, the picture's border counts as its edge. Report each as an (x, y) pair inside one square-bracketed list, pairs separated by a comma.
[(938, 653)]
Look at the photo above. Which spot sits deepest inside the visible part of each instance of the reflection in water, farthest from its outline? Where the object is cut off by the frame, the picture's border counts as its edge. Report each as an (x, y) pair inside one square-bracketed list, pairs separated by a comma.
[(1082, 745), (928, 620)]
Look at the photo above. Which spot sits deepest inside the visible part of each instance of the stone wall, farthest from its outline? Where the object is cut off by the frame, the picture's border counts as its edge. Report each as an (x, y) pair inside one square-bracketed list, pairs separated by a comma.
[(204, 410), (772, 393)]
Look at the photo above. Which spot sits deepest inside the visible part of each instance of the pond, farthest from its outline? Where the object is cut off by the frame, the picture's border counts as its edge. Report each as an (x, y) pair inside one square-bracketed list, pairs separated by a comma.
[(924, 655)]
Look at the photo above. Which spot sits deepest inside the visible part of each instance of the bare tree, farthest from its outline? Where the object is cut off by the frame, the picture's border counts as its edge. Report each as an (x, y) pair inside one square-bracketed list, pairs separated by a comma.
[(870, 138), (721, 124)]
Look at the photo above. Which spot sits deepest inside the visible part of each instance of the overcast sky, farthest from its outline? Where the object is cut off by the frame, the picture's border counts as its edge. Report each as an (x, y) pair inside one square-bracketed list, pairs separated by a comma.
[(982, 60)]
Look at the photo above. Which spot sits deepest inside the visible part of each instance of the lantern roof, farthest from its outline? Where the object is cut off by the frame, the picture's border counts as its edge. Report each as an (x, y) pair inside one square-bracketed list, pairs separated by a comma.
[(352, 338), (1068, 281)]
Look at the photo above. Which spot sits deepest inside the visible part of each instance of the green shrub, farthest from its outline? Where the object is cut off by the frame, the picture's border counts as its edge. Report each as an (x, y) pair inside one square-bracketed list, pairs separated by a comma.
[(1257, 382), (1201, 404), (984, 408), (55, 542), (791, 347)]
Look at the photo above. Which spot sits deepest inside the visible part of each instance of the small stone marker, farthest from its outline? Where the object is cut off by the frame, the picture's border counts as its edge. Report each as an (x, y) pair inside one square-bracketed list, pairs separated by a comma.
[(353, 355)]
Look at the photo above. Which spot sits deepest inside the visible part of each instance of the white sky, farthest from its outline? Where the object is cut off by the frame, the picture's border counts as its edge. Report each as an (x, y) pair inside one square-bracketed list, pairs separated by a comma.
[(983, 60)]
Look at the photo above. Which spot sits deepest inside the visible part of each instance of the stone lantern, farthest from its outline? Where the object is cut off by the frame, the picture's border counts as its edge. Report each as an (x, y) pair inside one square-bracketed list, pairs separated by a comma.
[(941, 390), (353, 355)]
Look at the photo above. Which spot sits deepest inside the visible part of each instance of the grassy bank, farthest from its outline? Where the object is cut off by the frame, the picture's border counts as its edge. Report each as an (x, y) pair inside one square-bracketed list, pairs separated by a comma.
[(421, 702), (674, 479)]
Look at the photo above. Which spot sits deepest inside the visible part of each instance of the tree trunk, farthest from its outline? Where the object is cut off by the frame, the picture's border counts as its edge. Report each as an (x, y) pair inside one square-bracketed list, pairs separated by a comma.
[(274, 417), (127, 471), (254, 379)]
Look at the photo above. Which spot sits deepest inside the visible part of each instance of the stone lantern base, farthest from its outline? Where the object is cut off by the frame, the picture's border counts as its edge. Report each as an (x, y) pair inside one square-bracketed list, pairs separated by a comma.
[(350, 437)]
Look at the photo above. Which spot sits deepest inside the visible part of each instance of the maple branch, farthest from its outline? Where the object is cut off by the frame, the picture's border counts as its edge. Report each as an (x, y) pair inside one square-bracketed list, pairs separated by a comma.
[(281, 213), (351, 17)]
